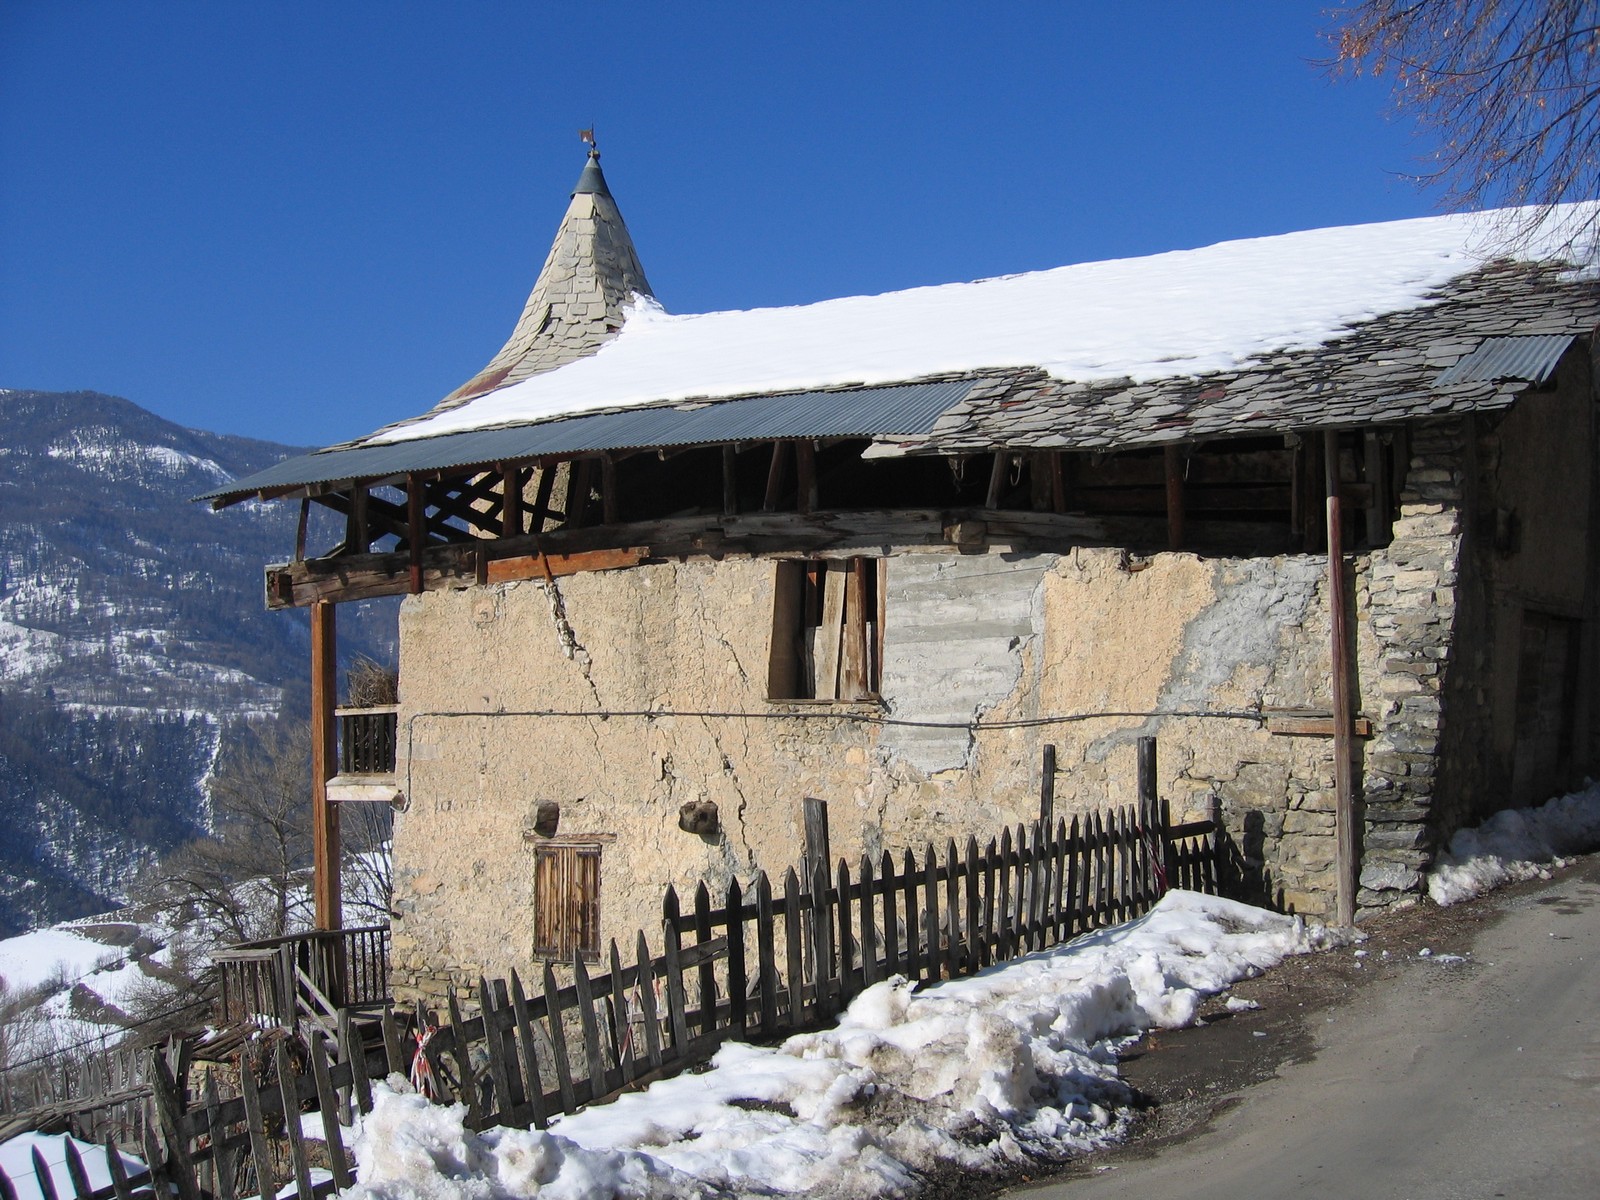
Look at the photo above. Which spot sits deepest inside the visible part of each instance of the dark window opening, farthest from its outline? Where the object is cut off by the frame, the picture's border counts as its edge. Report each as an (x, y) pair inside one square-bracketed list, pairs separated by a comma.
[(827, 630)]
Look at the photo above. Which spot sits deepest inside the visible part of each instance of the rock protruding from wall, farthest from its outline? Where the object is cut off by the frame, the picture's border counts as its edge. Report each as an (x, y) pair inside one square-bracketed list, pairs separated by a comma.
[(1412, 605)]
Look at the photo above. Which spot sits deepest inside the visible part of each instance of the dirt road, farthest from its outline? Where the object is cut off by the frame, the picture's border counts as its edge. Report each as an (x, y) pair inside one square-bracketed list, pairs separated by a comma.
[(1469, 1071)]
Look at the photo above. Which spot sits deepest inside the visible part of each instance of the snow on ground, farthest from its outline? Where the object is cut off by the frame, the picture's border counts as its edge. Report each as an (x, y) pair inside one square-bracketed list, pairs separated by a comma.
[(1188, 312), (16, 1160), (1017, 1061), (31, 959), (1517, 843)]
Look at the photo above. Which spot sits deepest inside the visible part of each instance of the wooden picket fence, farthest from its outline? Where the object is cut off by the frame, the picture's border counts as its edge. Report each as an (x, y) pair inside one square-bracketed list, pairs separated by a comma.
[(758, 963)]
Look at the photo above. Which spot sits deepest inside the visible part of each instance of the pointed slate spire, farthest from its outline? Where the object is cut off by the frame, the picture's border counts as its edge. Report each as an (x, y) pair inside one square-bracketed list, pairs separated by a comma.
[(576, 304)]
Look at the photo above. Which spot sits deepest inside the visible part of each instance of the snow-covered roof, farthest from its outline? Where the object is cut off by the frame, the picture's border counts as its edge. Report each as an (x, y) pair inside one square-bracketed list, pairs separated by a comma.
[(1183, 314)]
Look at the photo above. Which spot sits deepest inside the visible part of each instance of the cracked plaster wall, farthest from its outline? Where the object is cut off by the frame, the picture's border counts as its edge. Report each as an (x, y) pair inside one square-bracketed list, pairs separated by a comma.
[(1025, 638)]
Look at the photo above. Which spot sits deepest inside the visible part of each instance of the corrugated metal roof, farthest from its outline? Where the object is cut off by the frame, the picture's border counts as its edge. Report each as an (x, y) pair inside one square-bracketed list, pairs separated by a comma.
[(904, 410), (1530, 358)]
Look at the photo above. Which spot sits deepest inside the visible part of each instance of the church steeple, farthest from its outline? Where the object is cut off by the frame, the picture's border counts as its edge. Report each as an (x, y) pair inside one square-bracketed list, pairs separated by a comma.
[(576, 304)]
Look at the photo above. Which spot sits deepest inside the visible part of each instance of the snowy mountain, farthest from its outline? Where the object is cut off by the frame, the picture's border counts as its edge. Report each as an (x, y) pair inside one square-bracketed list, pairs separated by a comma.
[(132, 631)]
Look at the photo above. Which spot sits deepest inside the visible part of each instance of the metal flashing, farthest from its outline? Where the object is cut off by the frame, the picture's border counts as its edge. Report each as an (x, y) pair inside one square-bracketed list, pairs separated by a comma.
[(1531, 358)]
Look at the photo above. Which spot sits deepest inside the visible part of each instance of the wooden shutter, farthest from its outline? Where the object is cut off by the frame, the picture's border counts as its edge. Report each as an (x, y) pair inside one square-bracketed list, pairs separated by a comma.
[(566, 902)]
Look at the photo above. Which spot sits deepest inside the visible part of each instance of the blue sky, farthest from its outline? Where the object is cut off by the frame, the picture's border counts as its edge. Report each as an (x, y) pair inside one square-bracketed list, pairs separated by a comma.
[(299, 221)]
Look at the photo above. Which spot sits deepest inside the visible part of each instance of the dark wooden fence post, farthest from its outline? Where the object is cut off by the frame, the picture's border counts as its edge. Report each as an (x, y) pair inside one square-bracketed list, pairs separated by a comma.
[(1047, 787)]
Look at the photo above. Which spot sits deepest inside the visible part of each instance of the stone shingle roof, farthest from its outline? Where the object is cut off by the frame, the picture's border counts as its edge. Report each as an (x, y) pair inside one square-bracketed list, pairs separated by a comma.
[(1384, 371), (576, 304)]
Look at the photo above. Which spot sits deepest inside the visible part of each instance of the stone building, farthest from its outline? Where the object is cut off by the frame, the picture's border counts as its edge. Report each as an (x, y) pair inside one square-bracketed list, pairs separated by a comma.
[(665, 576)]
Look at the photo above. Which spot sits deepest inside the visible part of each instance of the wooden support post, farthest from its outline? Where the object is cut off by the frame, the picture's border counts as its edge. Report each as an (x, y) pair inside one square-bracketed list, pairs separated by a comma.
[(579, 479), (1339, 629), (541, 497), (324, 816), (300, 531), (416, 530), (805, 463), (997, 479), (357, 540), (510, 502), (1058, 482), (1173, 460), (774, 479), (608, 489), (815, 813), (1149, 807), (1047, 787), (730, 481)]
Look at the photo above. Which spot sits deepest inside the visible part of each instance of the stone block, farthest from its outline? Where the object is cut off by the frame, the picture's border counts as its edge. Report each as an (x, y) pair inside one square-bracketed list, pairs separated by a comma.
[(1390, 876)]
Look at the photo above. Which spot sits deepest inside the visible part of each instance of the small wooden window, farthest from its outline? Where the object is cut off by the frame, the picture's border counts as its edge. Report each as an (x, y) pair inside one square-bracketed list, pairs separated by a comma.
[(827, 630), (566, 902)]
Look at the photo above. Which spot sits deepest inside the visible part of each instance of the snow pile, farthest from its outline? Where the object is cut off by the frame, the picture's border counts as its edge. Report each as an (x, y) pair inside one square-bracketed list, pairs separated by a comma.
[(1518, 843), (1188, 312), (1018, 1061), (16, 1160)]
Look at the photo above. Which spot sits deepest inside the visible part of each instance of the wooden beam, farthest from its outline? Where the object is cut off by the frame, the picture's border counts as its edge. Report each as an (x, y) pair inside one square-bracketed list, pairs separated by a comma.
[(300, 530), (1172, 462), (511, 502), (416, 528), (356, 537), (997, 479), (542, 566), (805, 463), (1348, 853), (774, 478), (1058, 482), (325, 888), (608, 489), (1313, 725), (541, 497), (579, 478), (730, 481)]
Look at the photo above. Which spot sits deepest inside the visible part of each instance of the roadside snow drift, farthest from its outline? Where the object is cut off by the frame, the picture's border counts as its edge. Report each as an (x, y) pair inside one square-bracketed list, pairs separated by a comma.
[(1518, 843), (1017, 1061)]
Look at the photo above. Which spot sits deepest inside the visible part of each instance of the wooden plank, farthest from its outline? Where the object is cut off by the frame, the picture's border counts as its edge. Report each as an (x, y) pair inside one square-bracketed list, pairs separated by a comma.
[(738, 975), (932, 964), (952, 907), (1341, 655), (987, 946), (260, 1148), (75, 1170), (707, 971), (870, 973), (794, 955), (1047, 784), (588, 1019), (830, 632), (459, 1050), (766, 956), (672, 939), (805, 472), (622, 1014), (580, 483), (997, 480), (558, 1041), (824, 969), (41, 1173), (1294, 725), (645, 981), (354, 1050), (545, 566), (1005, 948), (291, 1120), (730, 481), (887, 886), (399, 1063), (495, 1049), (533, 1088), (853, 682), (775, 478), (328, 1106), (610, 500), (169, 1108), (974, 931), (120, 1189), (913, 954), (847, 941)]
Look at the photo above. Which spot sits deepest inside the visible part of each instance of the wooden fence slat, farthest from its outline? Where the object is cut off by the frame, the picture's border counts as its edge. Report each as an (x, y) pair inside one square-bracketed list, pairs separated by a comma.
[(353, 1048), (870, 973), (913, 953), (738, 976), (589, 1021), (678, 1018), (974, 929), (558, 1041), (260, 1148), (956, 957), (328, 1105), (794, 954), (533, 1088), (766, 956), (891, 930), (221, 1161), (622, 1047), (119, 1176), (458, 1050), (495, 1050), (169, 1108), (1004, 949), (707, 972), (8, 1191), (847, 942), (396, 1059), (75, 1170), (291, 1120), (823, 965), (930, 921), (41, 1173), (645, 983)]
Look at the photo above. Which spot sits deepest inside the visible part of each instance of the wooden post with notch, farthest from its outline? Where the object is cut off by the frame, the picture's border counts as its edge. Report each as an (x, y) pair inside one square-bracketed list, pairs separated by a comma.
[(1339, 632), (324, 816)]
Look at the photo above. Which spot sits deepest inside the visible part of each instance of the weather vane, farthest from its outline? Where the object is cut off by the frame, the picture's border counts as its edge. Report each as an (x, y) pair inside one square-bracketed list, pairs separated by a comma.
[(588, 139)]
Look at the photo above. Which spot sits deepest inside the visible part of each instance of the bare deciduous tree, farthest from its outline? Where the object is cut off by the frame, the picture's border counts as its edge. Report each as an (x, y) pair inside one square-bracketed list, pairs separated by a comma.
[(1509, 88)]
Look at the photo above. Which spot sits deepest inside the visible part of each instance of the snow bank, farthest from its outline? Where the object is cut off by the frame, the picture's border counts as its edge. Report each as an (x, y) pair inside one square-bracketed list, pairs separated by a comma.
[(1018, 1061), (1188, 312), (45, 955), (1518, 843), (16, 1160)]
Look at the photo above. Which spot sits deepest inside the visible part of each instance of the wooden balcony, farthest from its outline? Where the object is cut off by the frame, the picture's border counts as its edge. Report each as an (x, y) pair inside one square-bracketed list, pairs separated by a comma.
[(299, 977)]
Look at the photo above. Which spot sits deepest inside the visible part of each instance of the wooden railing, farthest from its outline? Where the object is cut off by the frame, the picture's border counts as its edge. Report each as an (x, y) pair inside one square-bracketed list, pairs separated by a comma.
[(367, 739), (302, 976)]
